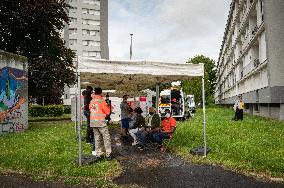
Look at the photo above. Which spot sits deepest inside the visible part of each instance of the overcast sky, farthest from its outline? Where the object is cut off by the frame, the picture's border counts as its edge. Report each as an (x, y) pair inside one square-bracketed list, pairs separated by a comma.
[(166, 30)]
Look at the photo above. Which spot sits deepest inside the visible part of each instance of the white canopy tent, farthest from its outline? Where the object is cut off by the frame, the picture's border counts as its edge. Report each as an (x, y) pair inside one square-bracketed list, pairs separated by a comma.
[(134, 76)]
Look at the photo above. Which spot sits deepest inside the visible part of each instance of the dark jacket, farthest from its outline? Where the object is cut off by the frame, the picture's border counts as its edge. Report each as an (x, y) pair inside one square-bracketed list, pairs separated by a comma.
[(139, 123), (156, 121), (87, 98)]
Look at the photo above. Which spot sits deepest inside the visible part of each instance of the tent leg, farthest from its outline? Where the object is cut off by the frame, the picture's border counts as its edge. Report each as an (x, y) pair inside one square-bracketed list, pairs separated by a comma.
[(78, 111), (204, 115), (157, 97)]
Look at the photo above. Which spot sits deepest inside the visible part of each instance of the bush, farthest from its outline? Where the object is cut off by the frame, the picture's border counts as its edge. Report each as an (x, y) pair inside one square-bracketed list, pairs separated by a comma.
[(67, 110), (46, 111)]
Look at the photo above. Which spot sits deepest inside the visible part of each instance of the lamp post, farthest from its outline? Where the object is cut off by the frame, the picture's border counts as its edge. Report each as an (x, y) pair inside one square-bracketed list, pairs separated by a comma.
[(131, 46)]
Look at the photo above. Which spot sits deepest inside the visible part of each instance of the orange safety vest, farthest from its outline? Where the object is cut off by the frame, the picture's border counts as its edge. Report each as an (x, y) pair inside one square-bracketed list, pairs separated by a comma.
[(168, 124), (98, 110)]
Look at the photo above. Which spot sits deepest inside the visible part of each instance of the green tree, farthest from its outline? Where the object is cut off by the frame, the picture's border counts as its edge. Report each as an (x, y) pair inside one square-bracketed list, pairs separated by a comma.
[(194, 86), (31, 28)]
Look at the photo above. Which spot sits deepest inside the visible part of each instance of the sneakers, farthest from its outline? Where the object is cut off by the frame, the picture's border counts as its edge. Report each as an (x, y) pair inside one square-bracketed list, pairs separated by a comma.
[(141, 147), (135, 143), (94, 153)]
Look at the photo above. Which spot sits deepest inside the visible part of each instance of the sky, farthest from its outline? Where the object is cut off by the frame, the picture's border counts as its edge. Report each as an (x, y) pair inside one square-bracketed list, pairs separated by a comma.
[(167, 30)]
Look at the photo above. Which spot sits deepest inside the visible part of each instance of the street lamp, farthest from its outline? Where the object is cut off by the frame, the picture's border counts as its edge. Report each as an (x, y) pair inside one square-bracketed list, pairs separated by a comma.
[(131, 46)]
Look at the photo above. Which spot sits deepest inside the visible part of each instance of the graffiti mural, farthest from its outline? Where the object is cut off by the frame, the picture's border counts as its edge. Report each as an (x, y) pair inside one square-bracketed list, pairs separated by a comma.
[(13, 100)]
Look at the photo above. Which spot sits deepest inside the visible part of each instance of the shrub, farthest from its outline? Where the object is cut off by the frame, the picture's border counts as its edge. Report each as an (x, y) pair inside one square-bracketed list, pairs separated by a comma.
[(67, 110), (46, 111)]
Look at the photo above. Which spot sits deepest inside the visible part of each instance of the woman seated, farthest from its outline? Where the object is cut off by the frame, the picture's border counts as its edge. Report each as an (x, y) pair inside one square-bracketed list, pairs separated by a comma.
[(139, 124)]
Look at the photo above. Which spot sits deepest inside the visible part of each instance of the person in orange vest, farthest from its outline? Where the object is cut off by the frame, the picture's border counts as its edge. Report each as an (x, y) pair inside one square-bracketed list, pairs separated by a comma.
[(98, 112), (167, 128)]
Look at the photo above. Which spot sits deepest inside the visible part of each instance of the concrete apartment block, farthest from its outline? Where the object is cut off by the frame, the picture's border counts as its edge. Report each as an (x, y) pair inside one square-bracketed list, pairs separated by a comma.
[(87, 33), (251, 57)]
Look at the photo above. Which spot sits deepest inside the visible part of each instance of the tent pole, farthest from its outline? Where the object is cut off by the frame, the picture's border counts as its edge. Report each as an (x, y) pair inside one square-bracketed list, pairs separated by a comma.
[(157, 97), (78, 121), (204, 115)]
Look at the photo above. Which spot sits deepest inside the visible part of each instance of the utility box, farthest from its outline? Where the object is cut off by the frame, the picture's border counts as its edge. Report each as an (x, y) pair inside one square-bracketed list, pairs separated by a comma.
[(13, 93)]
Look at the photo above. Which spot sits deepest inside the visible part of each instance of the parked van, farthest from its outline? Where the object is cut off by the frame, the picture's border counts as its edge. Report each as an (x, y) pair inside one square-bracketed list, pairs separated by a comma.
[(176, 101)]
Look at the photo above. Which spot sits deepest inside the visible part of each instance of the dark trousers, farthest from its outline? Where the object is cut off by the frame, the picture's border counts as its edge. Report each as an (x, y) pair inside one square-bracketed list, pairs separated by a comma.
[(239, 114), (90, 132), (159, 137)]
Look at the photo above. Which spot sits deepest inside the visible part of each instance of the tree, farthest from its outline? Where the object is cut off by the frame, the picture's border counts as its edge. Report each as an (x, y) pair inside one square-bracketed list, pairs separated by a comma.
[(31, 28), (194, 86)]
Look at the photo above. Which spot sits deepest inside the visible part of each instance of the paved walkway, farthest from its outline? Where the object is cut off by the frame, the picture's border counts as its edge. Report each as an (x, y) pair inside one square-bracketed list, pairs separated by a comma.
[(152, 168)]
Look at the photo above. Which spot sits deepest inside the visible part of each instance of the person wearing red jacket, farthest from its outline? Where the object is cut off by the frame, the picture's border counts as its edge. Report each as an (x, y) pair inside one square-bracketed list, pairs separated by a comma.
[(167, 128), (98, 111)]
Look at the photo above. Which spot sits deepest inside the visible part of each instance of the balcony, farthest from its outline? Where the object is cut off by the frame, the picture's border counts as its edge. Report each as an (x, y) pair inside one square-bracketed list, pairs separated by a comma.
[(254, 30), (256, 63), (247, 69)]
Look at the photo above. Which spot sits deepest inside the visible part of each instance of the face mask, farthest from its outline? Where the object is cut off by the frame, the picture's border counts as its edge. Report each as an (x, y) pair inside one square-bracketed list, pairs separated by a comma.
[(168, 115), (151, 113)]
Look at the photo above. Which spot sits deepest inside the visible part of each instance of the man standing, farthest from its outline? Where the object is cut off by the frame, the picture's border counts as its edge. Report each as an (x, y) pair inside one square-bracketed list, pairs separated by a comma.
[(125, 114), (87, 99), (98, 112), (239, 109)]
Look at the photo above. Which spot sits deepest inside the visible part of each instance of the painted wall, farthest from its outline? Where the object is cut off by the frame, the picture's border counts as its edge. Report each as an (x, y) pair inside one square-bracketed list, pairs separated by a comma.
[(13, 93)]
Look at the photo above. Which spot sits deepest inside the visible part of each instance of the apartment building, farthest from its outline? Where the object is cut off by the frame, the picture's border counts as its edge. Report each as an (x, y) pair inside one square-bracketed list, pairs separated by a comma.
[(251, 59), (87, 32)]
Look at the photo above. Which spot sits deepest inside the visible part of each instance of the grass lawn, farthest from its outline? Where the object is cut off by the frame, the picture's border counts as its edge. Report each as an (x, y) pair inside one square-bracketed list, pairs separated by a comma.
[(254, 145), (47, 150)]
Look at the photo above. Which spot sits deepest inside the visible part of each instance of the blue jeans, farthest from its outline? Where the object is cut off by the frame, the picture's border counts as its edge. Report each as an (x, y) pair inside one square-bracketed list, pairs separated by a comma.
[(143, 137), (90, 133), (159, 137), (125, 123)]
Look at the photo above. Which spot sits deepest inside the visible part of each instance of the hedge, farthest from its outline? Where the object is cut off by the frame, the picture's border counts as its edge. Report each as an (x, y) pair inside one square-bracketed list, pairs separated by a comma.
[(46, 111), (67, 110)]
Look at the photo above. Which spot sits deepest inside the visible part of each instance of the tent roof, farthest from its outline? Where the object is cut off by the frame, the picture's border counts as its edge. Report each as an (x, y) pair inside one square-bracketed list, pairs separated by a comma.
[(133, 75)]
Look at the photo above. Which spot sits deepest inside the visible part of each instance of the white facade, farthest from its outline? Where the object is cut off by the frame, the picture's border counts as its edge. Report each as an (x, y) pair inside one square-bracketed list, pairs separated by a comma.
[(244, 64)]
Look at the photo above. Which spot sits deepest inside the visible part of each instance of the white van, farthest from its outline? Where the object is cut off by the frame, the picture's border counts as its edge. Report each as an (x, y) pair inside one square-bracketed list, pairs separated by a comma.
[(176, 101)]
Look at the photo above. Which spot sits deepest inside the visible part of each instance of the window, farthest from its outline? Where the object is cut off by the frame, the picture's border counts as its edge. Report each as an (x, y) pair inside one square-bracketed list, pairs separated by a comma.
[(73, 20), (85, 53), (73, 9), (94, 12), (73, 42), (90, 43), (261, 10), (75, 51), (72, 31), (90, 32), (91, 54), (92, 2), (90, 22), (90, 11)]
